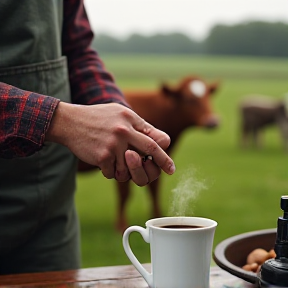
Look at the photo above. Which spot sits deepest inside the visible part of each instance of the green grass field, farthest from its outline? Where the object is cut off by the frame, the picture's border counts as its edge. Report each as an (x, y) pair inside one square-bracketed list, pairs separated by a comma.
[(243, 187)]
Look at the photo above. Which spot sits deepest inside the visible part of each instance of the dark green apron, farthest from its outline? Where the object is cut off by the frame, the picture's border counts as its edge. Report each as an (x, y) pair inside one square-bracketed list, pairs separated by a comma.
[(38, 221)]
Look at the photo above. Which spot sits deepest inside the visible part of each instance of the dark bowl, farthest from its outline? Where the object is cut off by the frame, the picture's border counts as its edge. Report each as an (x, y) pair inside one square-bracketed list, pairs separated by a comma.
[(231, 254)]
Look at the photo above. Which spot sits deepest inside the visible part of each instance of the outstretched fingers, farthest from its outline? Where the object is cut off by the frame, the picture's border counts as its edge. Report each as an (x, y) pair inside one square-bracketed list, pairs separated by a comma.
[(152, 141), (148, 146)]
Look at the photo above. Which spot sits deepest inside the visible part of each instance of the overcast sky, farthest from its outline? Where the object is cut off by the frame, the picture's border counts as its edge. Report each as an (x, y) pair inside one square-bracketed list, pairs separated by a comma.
[(120, 18)]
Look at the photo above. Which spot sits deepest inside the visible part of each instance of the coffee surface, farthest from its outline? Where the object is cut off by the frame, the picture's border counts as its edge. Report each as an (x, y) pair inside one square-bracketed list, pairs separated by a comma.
[(181, 226)]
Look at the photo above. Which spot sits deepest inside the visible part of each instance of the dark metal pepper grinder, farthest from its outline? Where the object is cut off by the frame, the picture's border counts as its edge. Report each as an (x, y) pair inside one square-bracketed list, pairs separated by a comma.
[(274, 272)]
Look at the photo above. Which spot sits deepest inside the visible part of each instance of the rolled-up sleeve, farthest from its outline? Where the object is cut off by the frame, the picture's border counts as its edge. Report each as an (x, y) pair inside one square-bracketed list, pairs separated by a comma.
[(24, 119), (90, 82)]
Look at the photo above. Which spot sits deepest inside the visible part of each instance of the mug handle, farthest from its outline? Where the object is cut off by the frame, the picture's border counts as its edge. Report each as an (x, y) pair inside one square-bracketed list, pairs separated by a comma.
[(145, 235)]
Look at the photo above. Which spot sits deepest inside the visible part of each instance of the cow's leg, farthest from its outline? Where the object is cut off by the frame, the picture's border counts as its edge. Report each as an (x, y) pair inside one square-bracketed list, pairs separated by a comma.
[(244, 137), (282, 123), (123, 189), (154, 195), (258, 135), (256, 138)]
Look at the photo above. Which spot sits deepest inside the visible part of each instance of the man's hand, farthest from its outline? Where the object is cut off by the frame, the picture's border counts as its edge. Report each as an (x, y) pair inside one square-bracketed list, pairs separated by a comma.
[(114, 138)]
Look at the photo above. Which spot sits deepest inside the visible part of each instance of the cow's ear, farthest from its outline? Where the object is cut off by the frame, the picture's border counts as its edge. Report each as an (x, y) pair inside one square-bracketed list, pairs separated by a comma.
[(213, 87), (166, 90)]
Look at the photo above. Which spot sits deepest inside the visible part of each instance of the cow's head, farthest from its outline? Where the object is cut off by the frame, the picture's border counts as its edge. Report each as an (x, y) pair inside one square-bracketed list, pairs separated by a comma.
[(191, 98)]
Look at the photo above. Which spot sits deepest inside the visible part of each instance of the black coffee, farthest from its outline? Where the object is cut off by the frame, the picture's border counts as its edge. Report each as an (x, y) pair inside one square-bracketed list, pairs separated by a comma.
[(182, 226)]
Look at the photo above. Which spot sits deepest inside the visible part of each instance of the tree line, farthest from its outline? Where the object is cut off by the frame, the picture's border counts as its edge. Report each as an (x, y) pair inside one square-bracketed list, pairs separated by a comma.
[(255, 38)]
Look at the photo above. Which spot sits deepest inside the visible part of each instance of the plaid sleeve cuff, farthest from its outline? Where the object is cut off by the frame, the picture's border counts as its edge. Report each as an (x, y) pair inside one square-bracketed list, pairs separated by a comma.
[(25, 119)]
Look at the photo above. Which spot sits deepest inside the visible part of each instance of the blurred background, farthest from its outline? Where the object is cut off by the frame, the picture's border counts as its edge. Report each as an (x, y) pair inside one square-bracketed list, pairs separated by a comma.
[(244, 46)]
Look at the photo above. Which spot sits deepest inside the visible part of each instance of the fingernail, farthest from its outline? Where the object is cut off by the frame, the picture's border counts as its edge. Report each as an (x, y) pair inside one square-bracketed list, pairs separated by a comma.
[(172, 168)]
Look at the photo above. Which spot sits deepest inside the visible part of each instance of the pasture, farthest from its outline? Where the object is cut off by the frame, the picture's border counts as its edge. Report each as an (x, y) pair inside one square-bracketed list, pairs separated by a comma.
[(243, 187)]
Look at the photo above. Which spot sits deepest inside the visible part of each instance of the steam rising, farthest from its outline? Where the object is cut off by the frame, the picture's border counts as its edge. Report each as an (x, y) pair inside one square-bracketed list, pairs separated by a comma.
[(185, 194)]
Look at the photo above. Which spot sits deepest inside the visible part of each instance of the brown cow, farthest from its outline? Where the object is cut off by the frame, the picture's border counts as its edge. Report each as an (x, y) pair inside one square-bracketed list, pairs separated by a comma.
[(257, 113), (171, 109)]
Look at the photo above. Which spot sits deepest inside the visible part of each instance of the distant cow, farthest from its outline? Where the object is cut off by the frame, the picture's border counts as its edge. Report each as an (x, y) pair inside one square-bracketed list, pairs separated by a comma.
[(259, 112), (171, 109)]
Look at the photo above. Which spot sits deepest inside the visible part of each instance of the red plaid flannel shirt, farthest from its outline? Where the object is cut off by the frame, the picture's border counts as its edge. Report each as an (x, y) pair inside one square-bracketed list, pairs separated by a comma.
[(25, 116)]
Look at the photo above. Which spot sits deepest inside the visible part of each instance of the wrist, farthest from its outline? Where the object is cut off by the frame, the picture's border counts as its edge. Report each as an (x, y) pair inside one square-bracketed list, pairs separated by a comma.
[(60, 124)]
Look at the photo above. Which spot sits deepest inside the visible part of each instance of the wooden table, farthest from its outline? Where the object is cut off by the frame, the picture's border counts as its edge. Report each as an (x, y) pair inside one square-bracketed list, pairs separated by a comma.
[(106, 277)]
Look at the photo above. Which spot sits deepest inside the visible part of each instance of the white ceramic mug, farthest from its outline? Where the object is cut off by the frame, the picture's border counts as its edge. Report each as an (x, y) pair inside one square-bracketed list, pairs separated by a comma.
[(180, 257)]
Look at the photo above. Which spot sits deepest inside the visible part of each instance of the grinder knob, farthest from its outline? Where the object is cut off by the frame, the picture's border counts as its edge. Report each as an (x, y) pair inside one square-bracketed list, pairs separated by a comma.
[(275, 271), (281, 245), (284, 206)]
